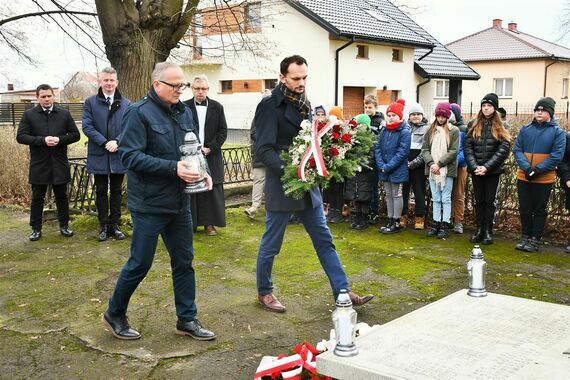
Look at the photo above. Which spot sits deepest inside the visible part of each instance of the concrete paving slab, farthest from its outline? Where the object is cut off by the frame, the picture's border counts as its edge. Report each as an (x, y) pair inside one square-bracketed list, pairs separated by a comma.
[(461, 337)]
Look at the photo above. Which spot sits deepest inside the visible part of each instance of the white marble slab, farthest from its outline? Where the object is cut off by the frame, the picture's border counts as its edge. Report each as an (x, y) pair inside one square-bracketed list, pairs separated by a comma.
[(461, 337)]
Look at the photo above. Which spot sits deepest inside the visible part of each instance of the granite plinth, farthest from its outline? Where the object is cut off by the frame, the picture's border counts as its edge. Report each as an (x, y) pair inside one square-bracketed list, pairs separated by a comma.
[(461, 337)]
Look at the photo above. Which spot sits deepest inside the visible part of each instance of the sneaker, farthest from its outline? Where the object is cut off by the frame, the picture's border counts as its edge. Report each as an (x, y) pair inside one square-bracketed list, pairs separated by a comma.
[(458, 228), (393, 228), (419, 223), (521, 244), (532, 245), (434, 230), (444, 230), (250, 212)]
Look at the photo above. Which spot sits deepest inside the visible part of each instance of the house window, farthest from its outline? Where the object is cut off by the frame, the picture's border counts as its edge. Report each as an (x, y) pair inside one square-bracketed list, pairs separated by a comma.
[(253, 16), (270, 84), (397, 55), (395, 95), (565, 88), (226, 85), (362, 51), (442, 89), (504, 87)]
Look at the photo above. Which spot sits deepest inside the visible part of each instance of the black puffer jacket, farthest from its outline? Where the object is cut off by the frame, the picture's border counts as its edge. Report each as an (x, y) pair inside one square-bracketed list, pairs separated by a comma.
[(485, 151), (361, 186)]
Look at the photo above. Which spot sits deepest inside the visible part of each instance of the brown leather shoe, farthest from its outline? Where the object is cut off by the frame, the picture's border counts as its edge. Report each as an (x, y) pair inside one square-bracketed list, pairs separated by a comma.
[(211, 231), (271, 302), (358, 300)]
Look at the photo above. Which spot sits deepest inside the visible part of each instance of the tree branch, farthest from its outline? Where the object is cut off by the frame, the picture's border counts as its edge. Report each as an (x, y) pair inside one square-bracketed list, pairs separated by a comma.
[(18, 17)]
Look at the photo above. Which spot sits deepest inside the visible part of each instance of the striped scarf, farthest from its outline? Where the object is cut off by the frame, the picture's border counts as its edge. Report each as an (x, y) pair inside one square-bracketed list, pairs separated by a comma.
[(300, 101)]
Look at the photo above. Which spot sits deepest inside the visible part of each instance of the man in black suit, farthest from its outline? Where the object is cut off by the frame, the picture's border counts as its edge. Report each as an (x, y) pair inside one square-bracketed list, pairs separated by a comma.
[(277, 121), (48, 130), (208, 208)]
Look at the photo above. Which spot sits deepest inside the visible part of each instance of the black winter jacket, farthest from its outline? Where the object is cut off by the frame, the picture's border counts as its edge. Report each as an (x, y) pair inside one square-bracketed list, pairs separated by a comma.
[(485, 151)]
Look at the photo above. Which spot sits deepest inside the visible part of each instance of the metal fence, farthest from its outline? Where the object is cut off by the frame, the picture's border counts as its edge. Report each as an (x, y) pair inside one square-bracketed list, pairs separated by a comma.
[(237, 169), (11, 113)]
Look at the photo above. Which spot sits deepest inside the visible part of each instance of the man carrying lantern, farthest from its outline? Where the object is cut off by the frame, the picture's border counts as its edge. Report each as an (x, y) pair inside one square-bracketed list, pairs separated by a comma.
[(277, 121)]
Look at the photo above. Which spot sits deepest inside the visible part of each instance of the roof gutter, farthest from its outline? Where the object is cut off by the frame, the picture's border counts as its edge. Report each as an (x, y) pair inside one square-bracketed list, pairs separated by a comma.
[(418, 88), (546, 73), (336, 66)]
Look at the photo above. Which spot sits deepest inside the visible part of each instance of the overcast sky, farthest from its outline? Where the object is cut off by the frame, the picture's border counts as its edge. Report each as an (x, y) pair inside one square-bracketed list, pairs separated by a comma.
[(446, 20)]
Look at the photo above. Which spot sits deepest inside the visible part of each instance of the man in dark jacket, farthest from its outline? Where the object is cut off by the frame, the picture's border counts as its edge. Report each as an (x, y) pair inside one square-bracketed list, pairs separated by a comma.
[(278, 119), (102, 116), (48, 130), (153, 130), (208, 208)]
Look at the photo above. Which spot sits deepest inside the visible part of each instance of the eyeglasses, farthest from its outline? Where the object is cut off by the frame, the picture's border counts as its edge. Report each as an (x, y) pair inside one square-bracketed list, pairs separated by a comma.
[(176, 87), (200, 88)]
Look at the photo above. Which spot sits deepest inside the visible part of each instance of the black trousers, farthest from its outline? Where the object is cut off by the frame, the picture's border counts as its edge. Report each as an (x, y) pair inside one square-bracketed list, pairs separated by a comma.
[(485, 189), (417, 184), (533, 200), (37, 206), (108, 202)]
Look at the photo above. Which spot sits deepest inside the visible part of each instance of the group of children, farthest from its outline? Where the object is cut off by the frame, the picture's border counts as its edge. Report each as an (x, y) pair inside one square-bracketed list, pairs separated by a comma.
[(412, 152)]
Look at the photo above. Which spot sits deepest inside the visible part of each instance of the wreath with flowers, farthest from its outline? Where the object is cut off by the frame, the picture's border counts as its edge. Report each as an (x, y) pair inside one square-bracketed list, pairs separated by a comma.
[(325, 150)]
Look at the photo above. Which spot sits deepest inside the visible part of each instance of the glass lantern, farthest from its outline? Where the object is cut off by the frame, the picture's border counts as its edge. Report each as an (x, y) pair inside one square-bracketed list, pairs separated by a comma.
[(195, 161), (344, 320)]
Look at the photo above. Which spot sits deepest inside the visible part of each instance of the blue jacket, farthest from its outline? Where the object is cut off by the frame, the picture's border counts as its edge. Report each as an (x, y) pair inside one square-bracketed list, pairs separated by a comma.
[(539, 146), (101, 123), (153, 132), (392, 149)]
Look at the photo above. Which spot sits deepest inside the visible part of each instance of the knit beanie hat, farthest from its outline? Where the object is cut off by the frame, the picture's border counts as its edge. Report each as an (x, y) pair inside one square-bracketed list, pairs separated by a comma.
[(397, 108), (320, 109), (363, 119), (443, 109), (546, 104), (336, 111), (416, 108), (492, 99)]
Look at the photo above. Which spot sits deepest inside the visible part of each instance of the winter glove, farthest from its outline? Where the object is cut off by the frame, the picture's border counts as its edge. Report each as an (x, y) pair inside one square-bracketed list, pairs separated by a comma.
[(532, 173)]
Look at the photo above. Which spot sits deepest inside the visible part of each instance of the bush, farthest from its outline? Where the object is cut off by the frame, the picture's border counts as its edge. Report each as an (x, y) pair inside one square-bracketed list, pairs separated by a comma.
[(14, 161)]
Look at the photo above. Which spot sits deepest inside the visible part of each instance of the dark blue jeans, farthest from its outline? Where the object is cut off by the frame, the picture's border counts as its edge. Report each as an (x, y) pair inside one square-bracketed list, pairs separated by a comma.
[(315, 224), (176, 232)]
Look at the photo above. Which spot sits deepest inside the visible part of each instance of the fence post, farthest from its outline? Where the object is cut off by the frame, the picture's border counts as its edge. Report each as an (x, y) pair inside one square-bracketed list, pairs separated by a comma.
[(567, 104), (13, 115), (470, 110), (517, 108)]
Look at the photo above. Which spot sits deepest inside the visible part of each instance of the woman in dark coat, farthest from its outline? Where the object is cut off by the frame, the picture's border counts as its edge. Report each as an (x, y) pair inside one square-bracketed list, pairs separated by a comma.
[(487, 146)]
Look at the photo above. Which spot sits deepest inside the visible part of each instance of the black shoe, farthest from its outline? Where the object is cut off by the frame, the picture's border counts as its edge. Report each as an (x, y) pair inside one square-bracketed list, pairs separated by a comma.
[(361, 226), (434, 230), (521, 244), (444, 229), (120, 327), (386, 226), (393, 228), (532, 245), (102, 233), (487, 237), (116, 232), (477, 236), (35, 235), (334, 216), (194, 329), (65, 231)]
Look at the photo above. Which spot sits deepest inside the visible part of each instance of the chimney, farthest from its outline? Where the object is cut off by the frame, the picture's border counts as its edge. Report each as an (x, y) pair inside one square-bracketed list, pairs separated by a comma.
[(10, 86), (497, 23), (513, 27)]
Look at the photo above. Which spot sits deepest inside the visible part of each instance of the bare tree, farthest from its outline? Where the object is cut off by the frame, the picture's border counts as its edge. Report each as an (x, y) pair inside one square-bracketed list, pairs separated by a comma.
[(564, 28)]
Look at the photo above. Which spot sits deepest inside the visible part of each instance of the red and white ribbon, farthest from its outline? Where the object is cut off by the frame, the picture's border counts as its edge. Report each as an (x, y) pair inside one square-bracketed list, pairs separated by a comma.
[(290, 367), (314, 149)]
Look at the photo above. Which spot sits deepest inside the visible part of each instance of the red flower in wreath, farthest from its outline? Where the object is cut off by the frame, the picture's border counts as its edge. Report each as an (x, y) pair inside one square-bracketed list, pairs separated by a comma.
[(352, 124), (312, 162), (333, 151), (346, 138), (320, 126), (335, 137), (337, 129)]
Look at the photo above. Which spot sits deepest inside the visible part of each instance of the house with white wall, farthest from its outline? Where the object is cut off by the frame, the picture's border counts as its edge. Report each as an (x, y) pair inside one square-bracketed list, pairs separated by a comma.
[(353, 48), (518, 67)]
